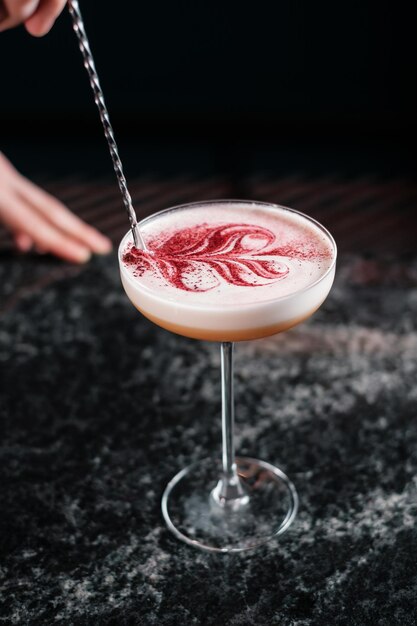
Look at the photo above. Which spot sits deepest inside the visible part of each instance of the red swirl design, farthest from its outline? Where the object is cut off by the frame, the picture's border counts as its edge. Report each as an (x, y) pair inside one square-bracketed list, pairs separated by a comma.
[(194, 259)]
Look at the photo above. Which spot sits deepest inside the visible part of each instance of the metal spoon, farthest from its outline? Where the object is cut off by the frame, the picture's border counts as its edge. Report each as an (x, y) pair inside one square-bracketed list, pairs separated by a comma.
[(78, 25)]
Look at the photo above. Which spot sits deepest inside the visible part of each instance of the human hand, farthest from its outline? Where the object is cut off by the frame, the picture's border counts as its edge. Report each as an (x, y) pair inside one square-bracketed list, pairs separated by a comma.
[(37, 219), (38, 16)]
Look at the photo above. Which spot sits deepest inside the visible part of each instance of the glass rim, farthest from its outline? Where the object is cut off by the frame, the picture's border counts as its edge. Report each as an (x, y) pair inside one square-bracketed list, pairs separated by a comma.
[(254, 203)]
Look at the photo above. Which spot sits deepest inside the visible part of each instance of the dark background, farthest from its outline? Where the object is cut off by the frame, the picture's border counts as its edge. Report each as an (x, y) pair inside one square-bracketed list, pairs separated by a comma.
[(217, 86)]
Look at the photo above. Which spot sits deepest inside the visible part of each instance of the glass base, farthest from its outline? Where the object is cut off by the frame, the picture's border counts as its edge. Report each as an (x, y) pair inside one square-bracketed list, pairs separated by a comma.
[(192, 510)]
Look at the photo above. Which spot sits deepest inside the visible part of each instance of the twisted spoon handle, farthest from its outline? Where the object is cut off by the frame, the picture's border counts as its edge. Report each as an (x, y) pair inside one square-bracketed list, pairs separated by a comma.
[(78, 26)]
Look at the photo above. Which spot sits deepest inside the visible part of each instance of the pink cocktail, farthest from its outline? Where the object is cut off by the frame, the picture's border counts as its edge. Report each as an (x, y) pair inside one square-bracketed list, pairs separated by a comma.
[(228, 271)]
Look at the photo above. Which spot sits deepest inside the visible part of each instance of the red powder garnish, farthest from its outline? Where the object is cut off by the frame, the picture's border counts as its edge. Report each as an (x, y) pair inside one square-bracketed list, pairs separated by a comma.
[(193, 257)]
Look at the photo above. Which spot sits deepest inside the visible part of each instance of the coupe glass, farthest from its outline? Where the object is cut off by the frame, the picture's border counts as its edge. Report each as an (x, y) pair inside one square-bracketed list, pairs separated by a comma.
[(236, 503)]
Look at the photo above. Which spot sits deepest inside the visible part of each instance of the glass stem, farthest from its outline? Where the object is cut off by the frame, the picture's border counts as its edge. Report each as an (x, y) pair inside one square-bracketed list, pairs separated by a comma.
[(228, 410), (229, 491)]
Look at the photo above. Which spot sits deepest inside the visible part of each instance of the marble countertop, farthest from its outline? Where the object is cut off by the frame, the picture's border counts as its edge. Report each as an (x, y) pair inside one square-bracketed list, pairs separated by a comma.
[(99, 409)]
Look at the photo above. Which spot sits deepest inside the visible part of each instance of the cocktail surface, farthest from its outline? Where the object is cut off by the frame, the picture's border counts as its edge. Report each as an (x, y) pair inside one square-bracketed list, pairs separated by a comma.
[(228, 270), (228, 254)]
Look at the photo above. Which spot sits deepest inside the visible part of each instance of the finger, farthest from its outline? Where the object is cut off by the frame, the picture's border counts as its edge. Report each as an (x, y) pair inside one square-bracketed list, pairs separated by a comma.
[(62, 218), (53, 210), (16, 12), (23, 242), (43, 19), (21, 218), (6, 165)]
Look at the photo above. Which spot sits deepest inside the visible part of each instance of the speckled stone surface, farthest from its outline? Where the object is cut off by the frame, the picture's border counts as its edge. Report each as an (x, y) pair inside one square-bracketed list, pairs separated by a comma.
[(99, 409)]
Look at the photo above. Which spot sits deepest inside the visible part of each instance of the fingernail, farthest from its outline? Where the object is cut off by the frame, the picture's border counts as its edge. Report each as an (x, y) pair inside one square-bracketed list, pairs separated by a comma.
[(25, 246), (46, 27), (104, 245), (83, 256), (23, 242)]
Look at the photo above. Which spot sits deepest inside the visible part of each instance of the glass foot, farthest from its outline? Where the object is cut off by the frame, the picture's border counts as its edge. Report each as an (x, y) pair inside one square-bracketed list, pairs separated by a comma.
[(193, 513)]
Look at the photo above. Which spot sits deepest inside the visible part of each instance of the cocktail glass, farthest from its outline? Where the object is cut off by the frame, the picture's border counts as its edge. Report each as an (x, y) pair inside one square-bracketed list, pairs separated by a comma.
[(236, 503)]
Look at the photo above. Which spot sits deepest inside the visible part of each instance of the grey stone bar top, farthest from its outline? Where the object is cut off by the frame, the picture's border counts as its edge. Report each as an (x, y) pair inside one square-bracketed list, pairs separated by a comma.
[(99, 409)]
